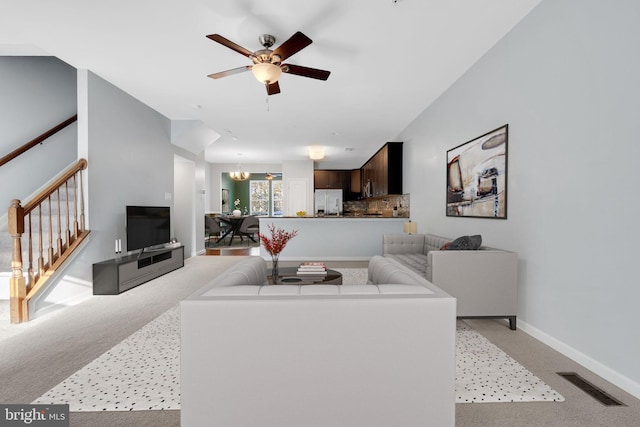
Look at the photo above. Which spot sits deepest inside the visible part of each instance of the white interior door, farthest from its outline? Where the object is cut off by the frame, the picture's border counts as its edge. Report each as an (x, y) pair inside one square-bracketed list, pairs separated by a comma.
[(297, 196)]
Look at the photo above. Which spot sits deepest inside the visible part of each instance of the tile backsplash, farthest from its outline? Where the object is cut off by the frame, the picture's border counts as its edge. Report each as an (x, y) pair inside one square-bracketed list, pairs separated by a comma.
[(379, 206)]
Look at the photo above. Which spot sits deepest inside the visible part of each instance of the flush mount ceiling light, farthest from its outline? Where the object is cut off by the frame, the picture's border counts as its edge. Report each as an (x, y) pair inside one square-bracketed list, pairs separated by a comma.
[(316, 153)]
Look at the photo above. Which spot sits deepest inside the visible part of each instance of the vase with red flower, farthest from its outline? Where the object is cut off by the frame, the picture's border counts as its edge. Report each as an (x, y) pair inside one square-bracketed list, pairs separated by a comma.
[(274, 244)]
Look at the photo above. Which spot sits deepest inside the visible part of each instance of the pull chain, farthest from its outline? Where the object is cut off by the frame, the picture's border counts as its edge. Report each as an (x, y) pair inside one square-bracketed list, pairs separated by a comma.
[(267, 101)]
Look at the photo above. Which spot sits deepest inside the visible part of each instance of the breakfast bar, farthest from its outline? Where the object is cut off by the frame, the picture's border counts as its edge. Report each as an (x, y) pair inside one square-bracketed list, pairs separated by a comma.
[(332, 238)]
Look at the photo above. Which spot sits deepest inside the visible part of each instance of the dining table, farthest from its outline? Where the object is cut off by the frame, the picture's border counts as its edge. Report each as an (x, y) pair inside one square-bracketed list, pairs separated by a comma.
[(234, 226)]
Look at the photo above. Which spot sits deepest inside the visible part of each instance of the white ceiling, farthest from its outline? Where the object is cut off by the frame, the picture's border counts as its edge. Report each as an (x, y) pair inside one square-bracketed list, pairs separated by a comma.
[(388, 61)]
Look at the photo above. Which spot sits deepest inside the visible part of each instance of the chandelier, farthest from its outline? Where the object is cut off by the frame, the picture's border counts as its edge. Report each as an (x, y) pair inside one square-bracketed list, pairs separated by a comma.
[(239, 175)]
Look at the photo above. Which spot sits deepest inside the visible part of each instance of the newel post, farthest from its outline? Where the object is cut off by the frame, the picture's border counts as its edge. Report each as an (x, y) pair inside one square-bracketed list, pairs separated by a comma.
[(17, 286)]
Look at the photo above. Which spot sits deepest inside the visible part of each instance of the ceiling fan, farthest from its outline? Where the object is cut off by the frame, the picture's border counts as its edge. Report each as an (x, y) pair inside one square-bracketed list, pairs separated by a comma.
[(267, 64), (270, 176)]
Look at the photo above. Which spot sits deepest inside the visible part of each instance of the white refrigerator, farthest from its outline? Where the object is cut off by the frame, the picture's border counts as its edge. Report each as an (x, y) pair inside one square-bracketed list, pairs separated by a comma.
[(328, 202)]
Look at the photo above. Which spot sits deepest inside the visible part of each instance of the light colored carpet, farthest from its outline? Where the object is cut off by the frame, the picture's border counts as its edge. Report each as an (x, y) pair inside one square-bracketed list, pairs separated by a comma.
[(142, 371)]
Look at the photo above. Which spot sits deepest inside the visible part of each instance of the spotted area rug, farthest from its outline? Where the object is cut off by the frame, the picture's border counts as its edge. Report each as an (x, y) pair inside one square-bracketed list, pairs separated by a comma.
[(484, 373), (143, 371)]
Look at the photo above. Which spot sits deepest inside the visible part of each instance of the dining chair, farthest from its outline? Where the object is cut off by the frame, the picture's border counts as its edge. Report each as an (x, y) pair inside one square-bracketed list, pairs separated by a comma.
[(212, 229), (249, 227)]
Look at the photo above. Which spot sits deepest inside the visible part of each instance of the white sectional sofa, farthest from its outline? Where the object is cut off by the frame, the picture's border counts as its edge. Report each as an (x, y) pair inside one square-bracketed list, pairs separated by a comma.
[(375, 355), (484, 281)]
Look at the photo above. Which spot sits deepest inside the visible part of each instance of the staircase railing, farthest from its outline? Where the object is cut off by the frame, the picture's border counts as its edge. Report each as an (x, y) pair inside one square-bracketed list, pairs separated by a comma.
[(37, 140), (62, 205)]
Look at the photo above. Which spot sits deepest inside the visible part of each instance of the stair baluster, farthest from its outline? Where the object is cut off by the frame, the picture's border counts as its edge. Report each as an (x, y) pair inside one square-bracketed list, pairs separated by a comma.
[(30, 280), (66, 239)]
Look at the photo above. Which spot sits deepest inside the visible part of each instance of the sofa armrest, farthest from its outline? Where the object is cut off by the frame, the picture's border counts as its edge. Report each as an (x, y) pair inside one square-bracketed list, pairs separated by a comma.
[(251, 271), (485, 282)]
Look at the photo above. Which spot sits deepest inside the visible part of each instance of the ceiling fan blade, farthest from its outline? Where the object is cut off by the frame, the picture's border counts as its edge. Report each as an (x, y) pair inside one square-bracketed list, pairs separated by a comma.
[(230, 72), (273, 88), (293, 45), (299, 70), (231, 45)]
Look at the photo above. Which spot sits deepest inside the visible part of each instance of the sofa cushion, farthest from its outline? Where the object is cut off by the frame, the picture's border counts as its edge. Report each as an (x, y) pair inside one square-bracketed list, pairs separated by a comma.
[(240, 290), (395, 289), (416, 262), (464, 243), (320, 290), (359, 289)]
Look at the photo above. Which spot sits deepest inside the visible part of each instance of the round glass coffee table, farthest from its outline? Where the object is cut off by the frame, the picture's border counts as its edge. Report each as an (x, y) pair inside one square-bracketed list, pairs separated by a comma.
[(290, 276)]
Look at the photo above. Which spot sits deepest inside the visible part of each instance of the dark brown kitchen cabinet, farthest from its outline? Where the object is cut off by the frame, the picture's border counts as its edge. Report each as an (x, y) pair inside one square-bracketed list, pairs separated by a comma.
[(331, 178), (356, 180), (382, 174), (379, 176)]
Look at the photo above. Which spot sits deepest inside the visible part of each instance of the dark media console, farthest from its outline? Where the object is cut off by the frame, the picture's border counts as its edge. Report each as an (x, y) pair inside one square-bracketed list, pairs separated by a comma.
[(117, 275)]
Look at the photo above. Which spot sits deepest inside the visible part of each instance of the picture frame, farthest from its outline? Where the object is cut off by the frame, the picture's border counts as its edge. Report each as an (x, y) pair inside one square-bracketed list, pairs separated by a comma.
[(477, 176), (225, 200)]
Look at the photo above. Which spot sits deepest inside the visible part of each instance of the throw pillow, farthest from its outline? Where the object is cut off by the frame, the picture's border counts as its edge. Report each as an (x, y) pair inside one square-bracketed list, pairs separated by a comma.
[(466, 243)]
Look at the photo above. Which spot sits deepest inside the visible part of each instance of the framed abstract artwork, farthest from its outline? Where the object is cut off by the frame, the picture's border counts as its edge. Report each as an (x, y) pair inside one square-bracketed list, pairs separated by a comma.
[(477, 176)]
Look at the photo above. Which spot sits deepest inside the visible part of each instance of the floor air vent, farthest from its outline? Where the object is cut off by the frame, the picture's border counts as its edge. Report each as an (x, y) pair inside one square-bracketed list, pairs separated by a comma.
[(590, 389)]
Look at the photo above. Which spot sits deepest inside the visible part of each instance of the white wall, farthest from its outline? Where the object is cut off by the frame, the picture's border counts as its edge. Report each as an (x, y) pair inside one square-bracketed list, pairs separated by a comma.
[(189, 198), (566, 81), (184, 204)]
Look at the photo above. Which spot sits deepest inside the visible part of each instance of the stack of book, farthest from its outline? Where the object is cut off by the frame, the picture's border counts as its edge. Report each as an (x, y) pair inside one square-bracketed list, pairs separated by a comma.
[(312, 269)]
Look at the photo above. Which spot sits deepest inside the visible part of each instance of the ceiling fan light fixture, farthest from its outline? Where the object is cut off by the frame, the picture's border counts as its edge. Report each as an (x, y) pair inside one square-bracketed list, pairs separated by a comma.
[(266, 72)]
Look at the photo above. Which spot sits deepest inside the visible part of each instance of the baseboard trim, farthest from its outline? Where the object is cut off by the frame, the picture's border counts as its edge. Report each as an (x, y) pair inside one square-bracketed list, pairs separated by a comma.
[(66, 302), (614, 377)]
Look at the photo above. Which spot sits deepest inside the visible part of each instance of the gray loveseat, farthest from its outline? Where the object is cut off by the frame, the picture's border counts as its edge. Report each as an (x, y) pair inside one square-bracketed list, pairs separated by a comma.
[(484, 281), (318, 355)]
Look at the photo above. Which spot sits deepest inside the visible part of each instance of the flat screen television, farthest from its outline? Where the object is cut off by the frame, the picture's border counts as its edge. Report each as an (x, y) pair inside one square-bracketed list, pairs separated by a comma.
[(147, 226)]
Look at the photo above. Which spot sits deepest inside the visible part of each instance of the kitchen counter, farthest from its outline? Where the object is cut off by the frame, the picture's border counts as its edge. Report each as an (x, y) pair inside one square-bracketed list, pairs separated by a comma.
[(348, 216), (332, 238)]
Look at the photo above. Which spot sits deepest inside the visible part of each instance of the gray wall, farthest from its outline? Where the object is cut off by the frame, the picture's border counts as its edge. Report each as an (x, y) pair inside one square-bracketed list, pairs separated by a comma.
[(131, 162), (566, 81), (127, 145), (36, 94)]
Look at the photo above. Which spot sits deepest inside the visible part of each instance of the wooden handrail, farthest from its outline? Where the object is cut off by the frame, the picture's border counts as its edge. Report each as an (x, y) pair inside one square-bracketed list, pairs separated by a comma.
[(44, 194), (39, 139), (64, 231)]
